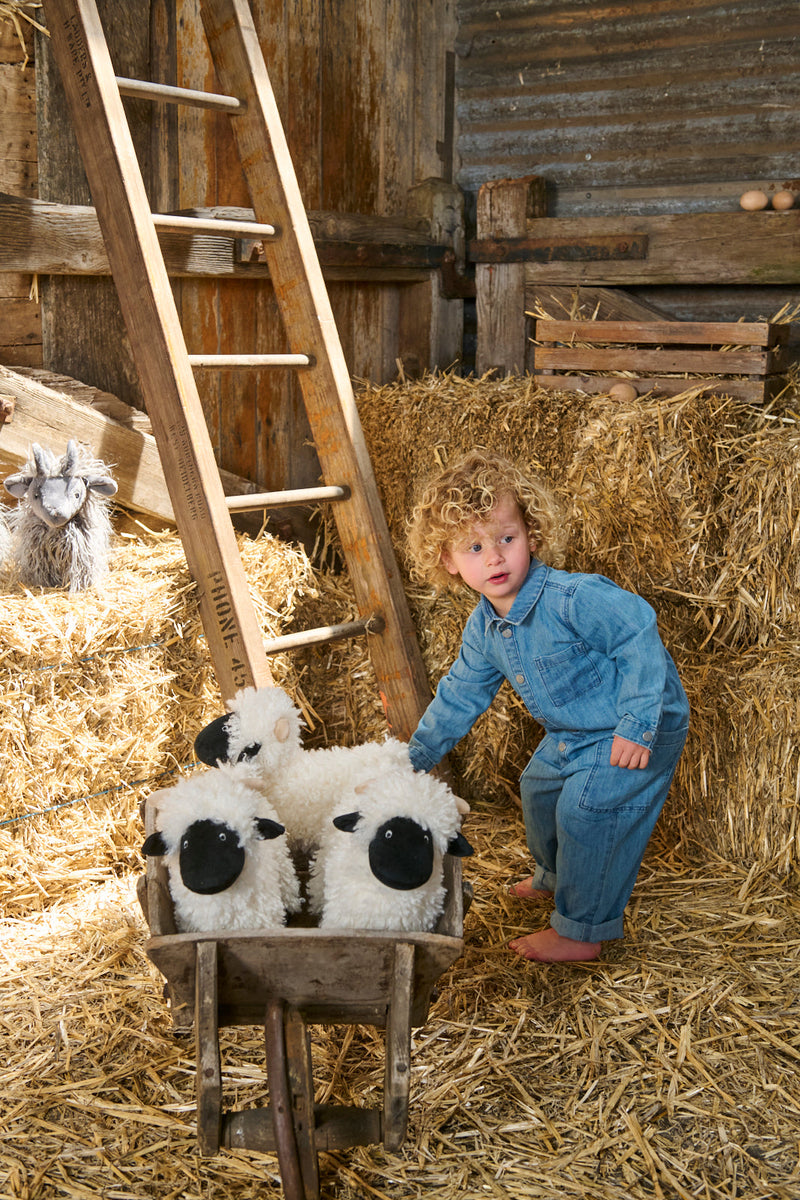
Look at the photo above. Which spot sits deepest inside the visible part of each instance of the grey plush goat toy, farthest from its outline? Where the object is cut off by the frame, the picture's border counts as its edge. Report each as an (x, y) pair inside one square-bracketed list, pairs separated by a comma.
[(60, 532)]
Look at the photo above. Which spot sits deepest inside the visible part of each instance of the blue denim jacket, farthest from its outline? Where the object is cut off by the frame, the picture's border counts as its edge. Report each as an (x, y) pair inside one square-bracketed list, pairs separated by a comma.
[(584, 655)]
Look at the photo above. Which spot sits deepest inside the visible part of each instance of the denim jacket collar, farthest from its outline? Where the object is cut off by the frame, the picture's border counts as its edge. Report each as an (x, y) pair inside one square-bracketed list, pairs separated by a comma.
[(525, 599)]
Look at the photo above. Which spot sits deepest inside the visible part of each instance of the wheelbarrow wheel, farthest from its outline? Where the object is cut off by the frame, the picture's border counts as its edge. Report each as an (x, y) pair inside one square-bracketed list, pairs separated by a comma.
[(292, 1100)]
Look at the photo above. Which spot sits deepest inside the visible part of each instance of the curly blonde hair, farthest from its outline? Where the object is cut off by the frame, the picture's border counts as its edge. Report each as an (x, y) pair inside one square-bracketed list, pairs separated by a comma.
[(465, 493)]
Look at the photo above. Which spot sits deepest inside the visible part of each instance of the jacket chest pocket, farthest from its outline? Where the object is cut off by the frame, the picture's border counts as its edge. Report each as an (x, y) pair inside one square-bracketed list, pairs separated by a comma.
[(568, 674)]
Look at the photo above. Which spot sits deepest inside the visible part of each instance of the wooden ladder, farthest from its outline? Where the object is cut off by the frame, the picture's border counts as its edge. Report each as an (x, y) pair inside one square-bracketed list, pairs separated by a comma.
[(166, 369)]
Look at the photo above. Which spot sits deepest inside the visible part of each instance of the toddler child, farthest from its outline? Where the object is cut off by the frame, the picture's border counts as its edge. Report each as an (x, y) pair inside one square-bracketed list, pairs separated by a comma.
[(587, 660)]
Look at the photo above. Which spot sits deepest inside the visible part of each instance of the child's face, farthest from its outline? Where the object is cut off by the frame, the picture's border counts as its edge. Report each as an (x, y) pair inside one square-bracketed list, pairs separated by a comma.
[(493, 556)]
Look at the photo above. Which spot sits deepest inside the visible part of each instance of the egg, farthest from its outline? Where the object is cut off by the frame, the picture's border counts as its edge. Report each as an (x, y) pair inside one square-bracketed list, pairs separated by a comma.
[(625, 392), (783, 200), (753, 201)]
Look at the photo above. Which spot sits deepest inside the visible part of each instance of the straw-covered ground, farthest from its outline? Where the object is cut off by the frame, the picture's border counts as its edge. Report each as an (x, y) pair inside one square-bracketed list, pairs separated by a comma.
[(669, 1069)]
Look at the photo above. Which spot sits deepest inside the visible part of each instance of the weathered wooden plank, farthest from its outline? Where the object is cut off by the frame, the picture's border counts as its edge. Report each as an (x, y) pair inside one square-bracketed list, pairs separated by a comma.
[(504, 208), (51, 409), (58, 239), (753, 391), (755, 333), (715, 248), (631, 358)]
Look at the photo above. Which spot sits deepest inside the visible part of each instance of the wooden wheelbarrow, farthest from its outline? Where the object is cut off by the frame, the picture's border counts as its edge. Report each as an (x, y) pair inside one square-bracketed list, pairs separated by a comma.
[(285, 980)]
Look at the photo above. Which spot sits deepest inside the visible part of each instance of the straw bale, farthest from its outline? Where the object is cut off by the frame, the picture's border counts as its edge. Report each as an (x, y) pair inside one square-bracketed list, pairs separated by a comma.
[(667, 1069), (689, 500), (101, 697)]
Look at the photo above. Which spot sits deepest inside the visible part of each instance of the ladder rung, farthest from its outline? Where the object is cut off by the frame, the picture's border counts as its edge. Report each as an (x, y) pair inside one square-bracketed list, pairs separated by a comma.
[(245, 229), (326, 633), (256, 500), (223, 361), (143, 89)]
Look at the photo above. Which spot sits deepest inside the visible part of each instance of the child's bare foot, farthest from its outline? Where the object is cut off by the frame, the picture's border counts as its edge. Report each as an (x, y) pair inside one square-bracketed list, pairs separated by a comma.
[(524, 890), (549, 946)]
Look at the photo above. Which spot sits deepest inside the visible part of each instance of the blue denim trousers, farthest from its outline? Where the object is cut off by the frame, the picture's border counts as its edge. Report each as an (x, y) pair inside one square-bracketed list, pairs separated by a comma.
[(587, 826)]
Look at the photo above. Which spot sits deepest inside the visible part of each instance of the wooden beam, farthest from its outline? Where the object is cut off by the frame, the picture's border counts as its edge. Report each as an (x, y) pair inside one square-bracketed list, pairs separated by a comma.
[(51, 409), (43, 238), (504, 209), (689, 248)]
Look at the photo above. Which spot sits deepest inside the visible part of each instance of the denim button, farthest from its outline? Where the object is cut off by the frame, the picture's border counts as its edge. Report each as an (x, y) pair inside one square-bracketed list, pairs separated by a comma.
[(520, 678), (647, 737), (562, 747), (506, 633)]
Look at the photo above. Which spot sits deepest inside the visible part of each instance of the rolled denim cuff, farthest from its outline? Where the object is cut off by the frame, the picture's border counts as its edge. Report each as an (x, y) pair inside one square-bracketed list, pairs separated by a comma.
[(636, 731), (420, 759)]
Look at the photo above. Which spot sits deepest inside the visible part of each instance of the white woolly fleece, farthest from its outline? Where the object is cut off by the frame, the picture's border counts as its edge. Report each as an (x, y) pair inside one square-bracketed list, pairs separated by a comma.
[(304, 786), (342, 887), (267, 888), (270, 717)]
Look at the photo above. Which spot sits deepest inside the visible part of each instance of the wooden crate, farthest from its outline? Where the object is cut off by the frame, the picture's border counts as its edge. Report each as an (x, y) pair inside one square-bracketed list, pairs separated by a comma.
[(744, 360)]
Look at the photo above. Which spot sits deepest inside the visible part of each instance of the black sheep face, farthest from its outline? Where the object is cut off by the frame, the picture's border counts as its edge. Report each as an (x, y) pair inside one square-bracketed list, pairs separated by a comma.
[(213, 743), (401, 854), (211, 857)]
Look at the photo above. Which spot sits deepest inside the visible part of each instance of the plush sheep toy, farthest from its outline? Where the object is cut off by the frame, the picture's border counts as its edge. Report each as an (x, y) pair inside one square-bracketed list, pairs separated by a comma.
[(381, 865), (229, 864), (60, 531), (263, 728)]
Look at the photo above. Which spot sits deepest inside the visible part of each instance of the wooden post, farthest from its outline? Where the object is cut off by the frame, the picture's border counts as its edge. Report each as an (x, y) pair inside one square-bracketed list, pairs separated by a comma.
[(504, 206), (430, 327)]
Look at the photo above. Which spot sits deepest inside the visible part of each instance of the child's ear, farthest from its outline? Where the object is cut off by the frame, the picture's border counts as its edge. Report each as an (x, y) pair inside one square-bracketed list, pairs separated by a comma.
[(447, 562)]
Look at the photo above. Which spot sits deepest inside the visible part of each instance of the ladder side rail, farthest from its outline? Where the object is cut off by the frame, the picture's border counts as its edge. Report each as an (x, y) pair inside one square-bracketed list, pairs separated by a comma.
[(326, 387), (151, 318)]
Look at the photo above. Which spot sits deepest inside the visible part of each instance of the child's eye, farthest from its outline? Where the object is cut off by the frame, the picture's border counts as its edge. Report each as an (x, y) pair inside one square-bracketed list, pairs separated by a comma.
[(507, 539), (475, 548)]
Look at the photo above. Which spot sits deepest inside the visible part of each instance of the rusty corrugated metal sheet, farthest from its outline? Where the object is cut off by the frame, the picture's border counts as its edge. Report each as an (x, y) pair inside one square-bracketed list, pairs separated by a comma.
[(693, 96)]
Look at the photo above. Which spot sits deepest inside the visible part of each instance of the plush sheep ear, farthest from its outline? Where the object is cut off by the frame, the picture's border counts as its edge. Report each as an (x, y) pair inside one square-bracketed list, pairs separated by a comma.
[(103, 484), (17, 485), (154, 845), (459, 847), (268, 828), (282, 729), (347, 822), (211, 743)]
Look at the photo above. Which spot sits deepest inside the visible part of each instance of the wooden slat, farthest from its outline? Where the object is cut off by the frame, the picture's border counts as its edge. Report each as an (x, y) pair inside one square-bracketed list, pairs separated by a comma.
[(760, 333), (148, 306), (753, 391), (209, 1072), (397, 1073), (631, 358)]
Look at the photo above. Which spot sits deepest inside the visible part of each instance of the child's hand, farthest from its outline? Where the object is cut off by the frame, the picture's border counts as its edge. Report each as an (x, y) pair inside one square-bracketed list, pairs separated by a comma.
[(628, 754)]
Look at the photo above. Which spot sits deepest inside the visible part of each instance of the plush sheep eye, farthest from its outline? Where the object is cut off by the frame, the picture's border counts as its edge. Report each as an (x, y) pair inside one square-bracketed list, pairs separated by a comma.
[(388, 834), (249, 752), (223, 837), (185, 844)]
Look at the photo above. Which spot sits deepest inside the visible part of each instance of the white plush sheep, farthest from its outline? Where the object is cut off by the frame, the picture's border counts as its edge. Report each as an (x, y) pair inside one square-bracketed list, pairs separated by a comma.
[(61, 529), (229, 864), (380, 866), (306, 787)]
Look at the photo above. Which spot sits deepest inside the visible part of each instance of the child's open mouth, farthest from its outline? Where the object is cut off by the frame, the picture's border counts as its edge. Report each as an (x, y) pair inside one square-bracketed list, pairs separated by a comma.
[(501, 578)]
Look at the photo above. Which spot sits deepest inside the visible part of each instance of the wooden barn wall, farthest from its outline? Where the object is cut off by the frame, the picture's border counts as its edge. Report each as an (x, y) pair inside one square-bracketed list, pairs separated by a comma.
[(20, 325), (642, 106), (361, 91), (361, 88)]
